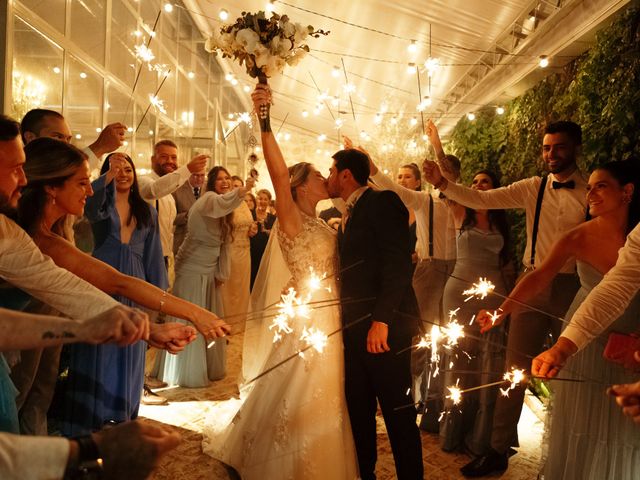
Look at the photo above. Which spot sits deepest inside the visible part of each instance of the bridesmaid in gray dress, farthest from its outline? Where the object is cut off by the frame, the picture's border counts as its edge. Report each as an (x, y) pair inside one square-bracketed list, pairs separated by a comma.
[(202, 264), (483, 251)]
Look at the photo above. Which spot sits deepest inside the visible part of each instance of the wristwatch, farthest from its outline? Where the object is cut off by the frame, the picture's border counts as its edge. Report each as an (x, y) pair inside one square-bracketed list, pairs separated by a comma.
[(89, 464)]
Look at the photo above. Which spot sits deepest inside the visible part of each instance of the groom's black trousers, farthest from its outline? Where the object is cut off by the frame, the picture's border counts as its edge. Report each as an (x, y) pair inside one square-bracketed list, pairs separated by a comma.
[(387, 377)]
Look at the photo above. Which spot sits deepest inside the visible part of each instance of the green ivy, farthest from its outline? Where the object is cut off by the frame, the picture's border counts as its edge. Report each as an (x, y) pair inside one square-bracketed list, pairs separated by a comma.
[(600, 90)]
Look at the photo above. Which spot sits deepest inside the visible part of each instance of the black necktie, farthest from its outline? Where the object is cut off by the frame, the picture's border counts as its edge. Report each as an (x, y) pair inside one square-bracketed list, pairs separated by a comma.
[(196, 192), (570, 184)]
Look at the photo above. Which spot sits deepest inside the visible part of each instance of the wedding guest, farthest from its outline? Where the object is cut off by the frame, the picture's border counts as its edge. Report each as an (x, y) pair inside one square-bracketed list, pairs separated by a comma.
[(482, 251), (589, 437), (250, 200), (130, 450), (202, 263), (185, 196), (553, 204), (156, 188), (264, 221), (25, 267), (59, 171), (436, 252), (236, 289)]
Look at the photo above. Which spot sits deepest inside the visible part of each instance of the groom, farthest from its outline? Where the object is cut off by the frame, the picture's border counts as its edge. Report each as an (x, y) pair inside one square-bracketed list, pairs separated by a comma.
[(374, 240)]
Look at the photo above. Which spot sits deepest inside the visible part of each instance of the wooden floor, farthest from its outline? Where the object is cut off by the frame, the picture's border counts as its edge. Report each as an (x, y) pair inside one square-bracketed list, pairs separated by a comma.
[(189, 407)]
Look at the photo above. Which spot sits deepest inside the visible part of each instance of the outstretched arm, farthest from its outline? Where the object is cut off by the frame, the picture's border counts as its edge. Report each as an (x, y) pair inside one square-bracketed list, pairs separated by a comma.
[(288, 215), (534, 282)]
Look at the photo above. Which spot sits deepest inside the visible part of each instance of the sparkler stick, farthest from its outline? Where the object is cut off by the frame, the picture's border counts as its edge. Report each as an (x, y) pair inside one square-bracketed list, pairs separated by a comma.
[(135, 83), (150, 103), (346, 79), (284, 120), (301, 351), (325, 100), (420, 97)]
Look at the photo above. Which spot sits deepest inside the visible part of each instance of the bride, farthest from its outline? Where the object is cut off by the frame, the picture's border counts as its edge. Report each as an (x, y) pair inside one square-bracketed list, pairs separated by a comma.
[(292, 422)]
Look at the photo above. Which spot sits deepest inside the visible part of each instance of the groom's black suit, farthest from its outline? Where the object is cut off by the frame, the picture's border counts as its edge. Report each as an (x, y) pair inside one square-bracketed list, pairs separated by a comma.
[(377, 235)]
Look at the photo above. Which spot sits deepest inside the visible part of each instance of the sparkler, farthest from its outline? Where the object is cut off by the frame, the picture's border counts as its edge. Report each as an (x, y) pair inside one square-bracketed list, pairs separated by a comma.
[(151, 97), (514, 377), (349, 88), (455, 394), (315, 338), (479, 290)]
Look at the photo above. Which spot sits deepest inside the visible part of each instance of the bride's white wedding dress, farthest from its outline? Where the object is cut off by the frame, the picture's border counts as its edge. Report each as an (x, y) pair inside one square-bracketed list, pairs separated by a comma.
[(291, 423)]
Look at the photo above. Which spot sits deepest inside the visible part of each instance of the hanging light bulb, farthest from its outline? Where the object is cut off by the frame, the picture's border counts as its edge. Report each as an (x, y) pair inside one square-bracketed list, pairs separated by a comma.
[(499, 110), (305, 114), (471, 117), (168, 7), (414, 121), (270, 7), (394, 120), (363, 134), (411, 68), (335, 101), (431, 64), (413, 46), (339, 122), (287, 137), (378, 118), (335, 72), (544, 61), (228, 77), (322, 137), (223, 15)]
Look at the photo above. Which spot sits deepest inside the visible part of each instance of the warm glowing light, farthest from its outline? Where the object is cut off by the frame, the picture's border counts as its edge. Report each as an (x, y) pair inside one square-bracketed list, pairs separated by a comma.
[(514, 377), (544, 61), (414, 121), (56, 70), (246, 89), (335, 72), (322, 137), (413, 46), (431, 65), (471, 117), (377, 119), (363, 134), (411, 68), (339, 123), (191, 75), (168, 7), (83, 75), (480, 290), (455, 394), (315, 338), (270, 7), (159, 104), (223, 15), (500, 110), (144, 53)]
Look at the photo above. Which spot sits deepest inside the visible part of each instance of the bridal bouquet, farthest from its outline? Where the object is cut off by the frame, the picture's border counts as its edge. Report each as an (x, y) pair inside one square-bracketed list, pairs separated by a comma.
[(264, 45)]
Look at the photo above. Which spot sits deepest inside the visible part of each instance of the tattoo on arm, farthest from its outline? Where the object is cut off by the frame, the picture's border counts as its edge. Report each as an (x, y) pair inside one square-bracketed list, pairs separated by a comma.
[(49, 335)]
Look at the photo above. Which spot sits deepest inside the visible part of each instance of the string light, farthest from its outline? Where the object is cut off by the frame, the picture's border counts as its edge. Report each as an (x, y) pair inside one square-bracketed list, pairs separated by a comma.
[(544, 61), (191, 75), (223, 15), (56, 70), (270, 7), (339, 123), (431, 64), (363, 134), (168, 7), (246, 88), (413, 46), (335, 72), (78, 136), (322, 137), (305, 114), (377, 119), (228, 77), (411, 68), (287, 137), (414, 121), (499, 110), (83, 75), (471, 117)]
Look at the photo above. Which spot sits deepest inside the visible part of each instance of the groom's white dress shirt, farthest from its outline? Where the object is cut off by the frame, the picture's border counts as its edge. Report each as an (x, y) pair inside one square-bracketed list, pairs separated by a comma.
[(25, 457), (609, 299)]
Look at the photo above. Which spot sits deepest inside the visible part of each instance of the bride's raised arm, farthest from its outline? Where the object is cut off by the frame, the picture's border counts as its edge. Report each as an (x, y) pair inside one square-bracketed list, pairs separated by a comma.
[(288, 215)]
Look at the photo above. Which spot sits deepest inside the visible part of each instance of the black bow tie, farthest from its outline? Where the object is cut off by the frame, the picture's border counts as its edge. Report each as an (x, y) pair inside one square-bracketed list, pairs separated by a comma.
[(570, 184), (196, 192)]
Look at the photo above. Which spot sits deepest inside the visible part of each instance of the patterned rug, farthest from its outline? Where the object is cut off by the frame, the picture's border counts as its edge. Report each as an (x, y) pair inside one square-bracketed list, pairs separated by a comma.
[(188, 408)]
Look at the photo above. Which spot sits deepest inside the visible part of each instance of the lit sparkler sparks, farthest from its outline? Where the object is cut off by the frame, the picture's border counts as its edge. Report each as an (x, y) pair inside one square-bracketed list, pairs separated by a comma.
[(455, 394), (495, 316), (479, 290), (156, 102), (314, 283), (315, 338), (514, 377), (144, 53), (281, 326), (453, 332)]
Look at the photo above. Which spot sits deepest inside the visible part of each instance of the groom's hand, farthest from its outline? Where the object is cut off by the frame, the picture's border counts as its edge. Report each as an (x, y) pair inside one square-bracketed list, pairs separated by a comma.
[(377, 338)]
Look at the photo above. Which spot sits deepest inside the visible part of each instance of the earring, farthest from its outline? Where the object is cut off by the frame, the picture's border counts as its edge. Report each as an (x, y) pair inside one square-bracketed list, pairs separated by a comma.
[(53, 200)]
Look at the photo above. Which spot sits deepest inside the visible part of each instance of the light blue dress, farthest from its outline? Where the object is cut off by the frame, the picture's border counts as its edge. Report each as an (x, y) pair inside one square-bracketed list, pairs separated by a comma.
[(104, 382), (589, 438), (468, 425), (201, 260)]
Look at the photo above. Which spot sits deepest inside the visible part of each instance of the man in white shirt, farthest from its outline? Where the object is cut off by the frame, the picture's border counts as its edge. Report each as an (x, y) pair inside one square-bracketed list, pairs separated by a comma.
[(553, 205), (157, 188), (604, 304)]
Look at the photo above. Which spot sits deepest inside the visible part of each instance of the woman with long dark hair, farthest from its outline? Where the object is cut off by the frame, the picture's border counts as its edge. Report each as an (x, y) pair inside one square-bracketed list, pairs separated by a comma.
[(202, 264), (483, 251), (589, 437), (104, 382)]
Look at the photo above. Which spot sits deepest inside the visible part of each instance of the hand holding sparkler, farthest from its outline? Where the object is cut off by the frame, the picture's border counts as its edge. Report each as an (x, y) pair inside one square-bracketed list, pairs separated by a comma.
[(487, 319), (110, 139), (198, 163), (549, 362)]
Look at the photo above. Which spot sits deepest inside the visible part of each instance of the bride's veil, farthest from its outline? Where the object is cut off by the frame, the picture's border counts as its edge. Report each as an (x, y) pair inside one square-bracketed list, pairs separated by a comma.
[(273, 275)]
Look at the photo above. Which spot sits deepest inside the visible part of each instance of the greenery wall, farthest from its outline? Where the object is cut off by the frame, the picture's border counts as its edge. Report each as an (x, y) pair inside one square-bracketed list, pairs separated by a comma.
[(599, 90)]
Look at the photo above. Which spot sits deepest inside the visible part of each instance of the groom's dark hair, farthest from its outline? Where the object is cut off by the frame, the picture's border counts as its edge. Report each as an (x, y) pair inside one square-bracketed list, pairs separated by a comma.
[(356, 162)]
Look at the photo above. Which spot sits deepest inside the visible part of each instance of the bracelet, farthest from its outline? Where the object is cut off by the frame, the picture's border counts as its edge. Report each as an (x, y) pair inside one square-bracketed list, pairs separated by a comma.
[(162, 300)]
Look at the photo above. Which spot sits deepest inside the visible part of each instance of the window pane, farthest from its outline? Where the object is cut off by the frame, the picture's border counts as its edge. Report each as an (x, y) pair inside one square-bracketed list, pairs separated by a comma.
[(83, 101), (53, 11), (123, 40), (88, 27), (37, 71)]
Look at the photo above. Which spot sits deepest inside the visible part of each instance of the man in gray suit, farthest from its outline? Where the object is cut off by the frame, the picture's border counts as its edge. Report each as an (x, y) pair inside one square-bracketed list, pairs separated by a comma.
[(186, 196)]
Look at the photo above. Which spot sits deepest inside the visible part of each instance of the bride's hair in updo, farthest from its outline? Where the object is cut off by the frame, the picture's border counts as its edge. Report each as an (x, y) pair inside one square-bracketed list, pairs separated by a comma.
[(625, 172), (298, 174), (49, 163)]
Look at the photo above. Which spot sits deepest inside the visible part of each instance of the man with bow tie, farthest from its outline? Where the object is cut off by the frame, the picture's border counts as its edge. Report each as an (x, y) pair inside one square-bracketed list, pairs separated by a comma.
[(554, 204), (185, 196)]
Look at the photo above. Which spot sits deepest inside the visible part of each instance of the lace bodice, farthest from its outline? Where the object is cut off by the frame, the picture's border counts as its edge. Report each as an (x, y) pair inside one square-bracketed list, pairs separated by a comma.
[(313, 248)]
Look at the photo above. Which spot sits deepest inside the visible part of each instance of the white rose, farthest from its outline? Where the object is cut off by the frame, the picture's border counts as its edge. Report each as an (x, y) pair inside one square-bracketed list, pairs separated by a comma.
[(289, 29), (248, 40), (281, 46), (262, 55), (273, 66), (301, 33)]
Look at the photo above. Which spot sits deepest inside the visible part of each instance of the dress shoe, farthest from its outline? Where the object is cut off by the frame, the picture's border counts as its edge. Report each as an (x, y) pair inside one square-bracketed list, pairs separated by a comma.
[(491, 462), (151, 398), (154, 383)]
